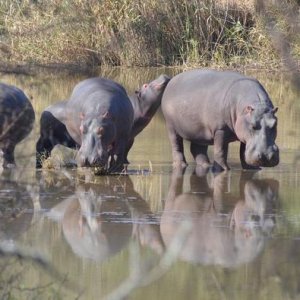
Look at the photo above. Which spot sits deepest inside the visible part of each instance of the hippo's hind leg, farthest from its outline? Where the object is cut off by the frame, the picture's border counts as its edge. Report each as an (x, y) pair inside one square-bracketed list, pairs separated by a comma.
[(177, 148), (243, 161)]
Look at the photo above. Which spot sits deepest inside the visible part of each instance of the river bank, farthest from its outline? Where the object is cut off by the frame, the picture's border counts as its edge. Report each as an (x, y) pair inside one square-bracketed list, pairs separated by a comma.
[(127, 33)]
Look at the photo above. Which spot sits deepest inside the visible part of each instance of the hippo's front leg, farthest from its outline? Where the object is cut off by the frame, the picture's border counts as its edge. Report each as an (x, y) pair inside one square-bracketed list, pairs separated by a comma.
[(118, 158), (177, 148), (220, 152), (243, 161)]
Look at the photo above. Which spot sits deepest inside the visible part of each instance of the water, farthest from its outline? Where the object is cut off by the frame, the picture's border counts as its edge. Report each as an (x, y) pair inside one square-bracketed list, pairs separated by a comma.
[(155, 233)]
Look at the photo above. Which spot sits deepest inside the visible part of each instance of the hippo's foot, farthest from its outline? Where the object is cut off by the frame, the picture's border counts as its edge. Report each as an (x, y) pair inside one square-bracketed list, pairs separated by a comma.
[(245, 166), (179, 164), (217, 168), (202, 170), (118, 169), (9, 165)]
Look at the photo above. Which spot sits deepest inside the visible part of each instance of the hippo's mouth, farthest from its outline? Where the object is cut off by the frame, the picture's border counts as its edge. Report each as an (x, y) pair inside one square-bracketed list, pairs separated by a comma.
[(263, 161)]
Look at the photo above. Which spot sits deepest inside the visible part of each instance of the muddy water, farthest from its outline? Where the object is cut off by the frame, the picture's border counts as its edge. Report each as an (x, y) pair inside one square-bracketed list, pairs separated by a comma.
[(155, 233)]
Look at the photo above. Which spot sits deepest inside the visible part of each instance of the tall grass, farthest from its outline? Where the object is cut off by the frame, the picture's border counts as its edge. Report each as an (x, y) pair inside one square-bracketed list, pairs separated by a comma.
[(133, 32)]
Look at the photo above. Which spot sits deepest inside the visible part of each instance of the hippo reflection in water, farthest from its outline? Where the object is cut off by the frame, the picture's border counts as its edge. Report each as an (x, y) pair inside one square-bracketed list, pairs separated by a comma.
[(99, 220), (215, 237), (15, 204)]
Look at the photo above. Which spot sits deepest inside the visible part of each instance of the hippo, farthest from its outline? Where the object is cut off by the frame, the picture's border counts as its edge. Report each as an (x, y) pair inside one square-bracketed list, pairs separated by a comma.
[(16, 121), (100, 120), (208, 107)]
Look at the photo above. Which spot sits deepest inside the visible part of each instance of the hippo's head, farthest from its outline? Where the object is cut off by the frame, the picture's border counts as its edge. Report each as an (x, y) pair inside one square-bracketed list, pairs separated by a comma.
[(97, 137), (148, 100), (256, 127), (152, 92)]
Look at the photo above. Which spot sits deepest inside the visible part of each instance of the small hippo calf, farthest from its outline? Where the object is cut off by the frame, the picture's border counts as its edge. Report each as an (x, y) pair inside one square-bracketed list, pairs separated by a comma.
[(16, 121), (101, 120), (210, 107)]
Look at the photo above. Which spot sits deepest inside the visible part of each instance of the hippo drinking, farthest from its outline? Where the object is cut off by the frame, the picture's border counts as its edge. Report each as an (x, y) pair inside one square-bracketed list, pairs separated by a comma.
[(101, 120), (16, 121), (210, 107)]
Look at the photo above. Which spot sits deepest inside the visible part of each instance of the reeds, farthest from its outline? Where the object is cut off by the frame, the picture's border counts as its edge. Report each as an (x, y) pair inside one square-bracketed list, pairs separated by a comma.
[(132, 33)]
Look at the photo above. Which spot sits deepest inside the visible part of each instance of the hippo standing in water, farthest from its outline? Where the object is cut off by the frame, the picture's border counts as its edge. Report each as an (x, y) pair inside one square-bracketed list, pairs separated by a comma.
[(101, 120), (16, 121), (210, 107)]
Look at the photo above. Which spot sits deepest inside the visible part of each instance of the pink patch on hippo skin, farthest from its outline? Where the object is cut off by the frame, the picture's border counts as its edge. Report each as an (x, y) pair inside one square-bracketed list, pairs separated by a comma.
[(100, 131), (81, 129)]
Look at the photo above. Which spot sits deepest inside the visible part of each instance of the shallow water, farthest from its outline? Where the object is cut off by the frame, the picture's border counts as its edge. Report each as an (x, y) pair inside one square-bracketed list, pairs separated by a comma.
[(153, 233)]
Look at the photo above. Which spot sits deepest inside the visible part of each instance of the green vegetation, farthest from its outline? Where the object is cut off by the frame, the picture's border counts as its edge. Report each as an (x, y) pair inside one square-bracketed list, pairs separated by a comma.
[(138, 32)]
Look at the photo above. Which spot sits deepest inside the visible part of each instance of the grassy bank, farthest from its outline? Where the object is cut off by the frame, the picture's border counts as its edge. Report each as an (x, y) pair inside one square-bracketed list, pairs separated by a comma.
[(136, 32)]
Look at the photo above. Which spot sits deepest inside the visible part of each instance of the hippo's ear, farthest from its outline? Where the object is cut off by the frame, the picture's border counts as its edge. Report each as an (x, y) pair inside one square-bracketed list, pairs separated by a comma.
[(274, 110), (81, 116), (249, 109)]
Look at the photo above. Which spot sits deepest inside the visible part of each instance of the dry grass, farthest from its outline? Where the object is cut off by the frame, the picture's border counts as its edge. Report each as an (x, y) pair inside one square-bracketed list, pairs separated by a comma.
[(133, 33)]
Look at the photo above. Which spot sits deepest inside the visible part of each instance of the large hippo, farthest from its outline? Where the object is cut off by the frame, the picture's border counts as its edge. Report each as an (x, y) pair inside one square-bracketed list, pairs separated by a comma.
[(210, 107), (16, 121), (99, 119)]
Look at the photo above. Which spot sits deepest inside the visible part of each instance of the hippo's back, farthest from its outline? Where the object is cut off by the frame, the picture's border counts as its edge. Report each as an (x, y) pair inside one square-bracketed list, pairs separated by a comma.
[(97, 95), (99, 86), (205, 82)]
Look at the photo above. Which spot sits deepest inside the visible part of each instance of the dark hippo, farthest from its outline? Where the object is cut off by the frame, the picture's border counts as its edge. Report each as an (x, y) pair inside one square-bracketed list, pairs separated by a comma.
[(16, 120), (210, 107), (99, 119)]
